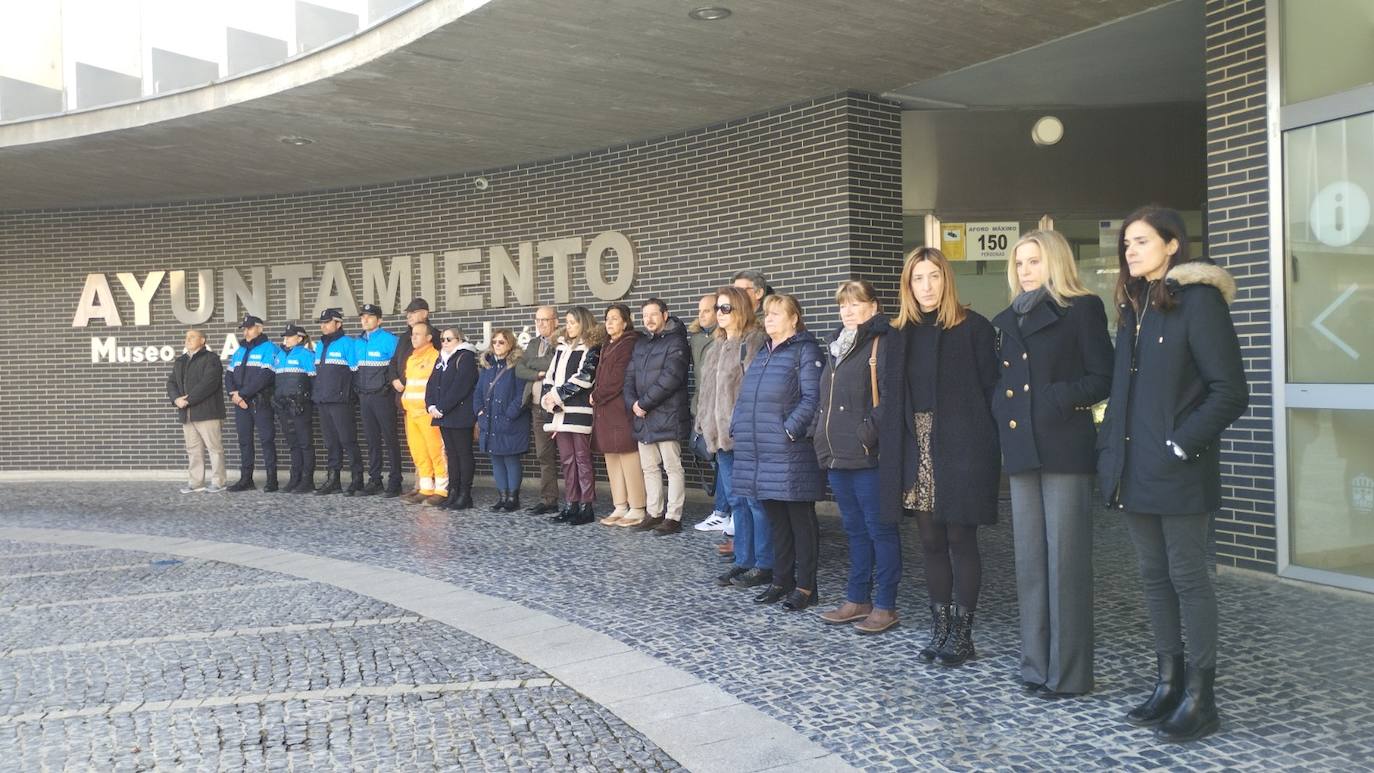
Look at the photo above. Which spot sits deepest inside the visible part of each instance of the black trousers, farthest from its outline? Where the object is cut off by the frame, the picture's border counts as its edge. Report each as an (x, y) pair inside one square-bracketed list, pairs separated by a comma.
[(336, 425), (256, 418), (796, 542), (379, 428), (461, 464), (298, 429)]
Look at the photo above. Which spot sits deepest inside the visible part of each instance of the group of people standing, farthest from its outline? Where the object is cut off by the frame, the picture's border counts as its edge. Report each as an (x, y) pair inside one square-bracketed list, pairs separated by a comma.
[(916, 416)]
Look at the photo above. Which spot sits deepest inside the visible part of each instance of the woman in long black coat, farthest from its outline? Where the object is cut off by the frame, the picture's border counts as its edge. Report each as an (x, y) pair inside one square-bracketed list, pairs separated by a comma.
[(940, 459), (1056, 362), (449, 395), (1177, 384)]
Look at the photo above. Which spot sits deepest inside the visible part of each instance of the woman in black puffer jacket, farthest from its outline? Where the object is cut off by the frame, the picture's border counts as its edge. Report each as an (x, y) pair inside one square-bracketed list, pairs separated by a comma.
[(775, 461)]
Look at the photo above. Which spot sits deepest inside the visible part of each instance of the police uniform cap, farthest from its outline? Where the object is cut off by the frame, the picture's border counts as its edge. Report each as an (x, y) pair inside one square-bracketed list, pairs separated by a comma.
[(328, 314), (293, 329), (417, 304), (250, 321), (371, 308)]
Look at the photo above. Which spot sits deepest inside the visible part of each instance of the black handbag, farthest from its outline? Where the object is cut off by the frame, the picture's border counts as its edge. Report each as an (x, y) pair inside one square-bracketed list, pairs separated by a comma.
[(699, 448)]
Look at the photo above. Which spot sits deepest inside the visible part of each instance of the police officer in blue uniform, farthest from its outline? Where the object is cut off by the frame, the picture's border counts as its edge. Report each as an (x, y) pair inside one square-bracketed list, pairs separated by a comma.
[(336, 359), (249, 381), (378, 401), (295, 372)]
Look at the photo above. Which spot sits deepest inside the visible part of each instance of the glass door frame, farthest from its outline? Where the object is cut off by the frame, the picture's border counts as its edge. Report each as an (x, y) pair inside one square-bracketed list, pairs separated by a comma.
[(1280, 119)]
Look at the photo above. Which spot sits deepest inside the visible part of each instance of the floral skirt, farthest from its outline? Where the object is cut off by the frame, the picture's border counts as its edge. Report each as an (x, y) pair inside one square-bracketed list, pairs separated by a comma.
[(921, 495)]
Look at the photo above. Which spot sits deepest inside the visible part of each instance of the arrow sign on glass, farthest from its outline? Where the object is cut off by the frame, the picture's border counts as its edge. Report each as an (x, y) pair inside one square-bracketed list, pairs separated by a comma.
[(1317, 323)]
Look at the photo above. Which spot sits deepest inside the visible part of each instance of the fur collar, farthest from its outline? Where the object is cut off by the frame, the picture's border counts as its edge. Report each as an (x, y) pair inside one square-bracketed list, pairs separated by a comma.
[(1204, 272)]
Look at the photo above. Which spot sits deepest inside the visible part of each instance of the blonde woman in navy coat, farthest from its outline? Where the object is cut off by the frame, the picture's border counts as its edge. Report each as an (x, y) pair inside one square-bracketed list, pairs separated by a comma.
[(1055, 360)]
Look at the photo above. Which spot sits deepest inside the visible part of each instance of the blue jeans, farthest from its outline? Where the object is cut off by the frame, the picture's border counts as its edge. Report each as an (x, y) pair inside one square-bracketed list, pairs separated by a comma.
[(753, 544), (875, 547), (505, 468), (722, 503)]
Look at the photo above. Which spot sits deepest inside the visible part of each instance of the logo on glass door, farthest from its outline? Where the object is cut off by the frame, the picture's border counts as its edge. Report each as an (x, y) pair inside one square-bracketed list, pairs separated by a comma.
[(1362, 494), (1339, 214)]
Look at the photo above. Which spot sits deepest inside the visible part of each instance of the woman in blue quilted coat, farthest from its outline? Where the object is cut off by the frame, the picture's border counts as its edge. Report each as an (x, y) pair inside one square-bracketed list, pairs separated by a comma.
[(775, 461)]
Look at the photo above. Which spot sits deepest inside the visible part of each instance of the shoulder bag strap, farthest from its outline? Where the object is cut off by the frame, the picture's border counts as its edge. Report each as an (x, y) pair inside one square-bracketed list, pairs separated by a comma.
[(873, 371)]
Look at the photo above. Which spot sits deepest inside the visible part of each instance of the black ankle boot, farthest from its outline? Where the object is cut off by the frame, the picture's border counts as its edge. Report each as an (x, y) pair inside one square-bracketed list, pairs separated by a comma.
[(271, 484), (1196, 714), (939, 631), (244, 483), (1168, 691), (291, 483), (355, 486), (306, 485), (330, 485), (463, 501), (502, 498), (566, 514), (958, 647), (513, 503), (582, 515)]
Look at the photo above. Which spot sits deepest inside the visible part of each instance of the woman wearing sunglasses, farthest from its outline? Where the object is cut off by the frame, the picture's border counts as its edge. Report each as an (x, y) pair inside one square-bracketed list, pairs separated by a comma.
[(738, 338), (503, 416), (449, 397)]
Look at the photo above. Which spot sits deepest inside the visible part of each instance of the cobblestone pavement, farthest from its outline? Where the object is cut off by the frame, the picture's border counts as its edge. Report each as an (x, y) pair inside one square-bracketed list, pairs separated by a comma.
[(1294, 685), (119, 660)]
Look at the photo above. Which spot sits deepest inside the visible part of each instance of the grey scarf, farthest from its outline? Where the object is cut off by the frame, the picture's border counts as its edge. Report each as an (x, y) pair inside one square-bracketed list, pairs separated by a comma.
[(843, 343), (1028, 300)]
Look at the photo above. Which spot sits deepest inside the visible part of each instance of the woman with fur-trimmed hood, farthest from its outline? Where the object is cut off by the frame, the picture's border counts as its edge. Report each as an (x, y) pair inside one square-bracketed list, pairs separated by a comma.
[(1178, 383)]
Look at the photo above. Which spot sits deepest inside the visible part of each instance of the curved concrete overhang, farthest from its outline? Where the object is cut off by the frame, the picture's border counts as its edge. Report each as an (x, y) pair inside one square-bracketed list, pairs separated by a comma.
[(460, 85)]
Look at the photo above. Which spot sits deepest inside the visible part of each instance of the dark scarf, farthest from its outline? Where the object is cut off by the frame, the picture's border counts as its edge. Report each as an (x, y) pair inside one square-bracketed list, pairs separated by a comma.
[(1023, 303)]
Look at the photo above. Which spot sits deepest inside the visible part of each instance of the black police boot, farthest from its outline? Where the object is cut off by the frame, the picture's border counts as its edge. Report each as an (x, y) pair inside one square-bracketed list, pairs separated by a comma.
[(939, 631), (958, 648), (244, 483), (292, 482), (1196, 714), (393, 490), (306, 484), (373, 488), (1167, 693), (354, 486), (271, 484), (330, 485)]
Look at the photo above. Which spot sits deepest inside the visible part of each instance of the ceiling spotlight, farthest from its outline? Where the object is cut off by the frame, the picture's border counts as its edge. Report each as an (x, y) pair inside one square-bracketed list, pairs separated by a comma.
[(297, 141), (1047, 131), (709, 13)]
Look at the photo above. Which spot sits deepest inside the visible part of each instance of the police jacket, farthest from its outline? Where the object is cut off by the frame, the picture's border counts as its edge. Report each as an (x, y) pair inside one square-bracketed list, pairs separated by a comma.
[(1056, 362), (295, 369), (336, 357), (250, 369), (1179, 381), (375, 351), (198, 378)]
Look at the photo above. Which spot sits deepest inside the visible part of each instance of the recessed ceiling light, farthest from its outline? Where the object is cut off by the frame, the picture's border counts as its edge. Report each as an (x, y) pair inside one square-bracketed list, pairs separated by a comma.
[(709, 13), (1047, 131), (297, 141)]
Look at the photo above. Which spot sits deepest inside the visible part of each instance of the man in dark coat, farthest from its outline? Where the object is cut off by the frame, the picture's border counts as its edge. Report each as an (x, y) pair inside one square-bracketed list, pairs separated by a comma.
[(656, 393), (194, 388)]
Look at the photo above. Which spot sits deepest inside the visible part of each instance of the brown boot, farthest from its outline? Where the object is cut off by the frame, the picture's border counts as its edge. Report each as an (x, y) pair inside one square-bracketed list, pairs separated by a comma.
[(878, 620), (669, 526), (848, 612), (649, 524)]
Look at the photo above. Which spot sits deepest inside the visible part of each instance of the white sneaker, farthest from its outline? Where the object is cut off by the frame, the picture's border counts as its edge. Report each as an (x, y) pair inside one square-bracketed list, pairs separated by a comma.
[(729, 527), (188, 489), (713, 522), (213, 489)]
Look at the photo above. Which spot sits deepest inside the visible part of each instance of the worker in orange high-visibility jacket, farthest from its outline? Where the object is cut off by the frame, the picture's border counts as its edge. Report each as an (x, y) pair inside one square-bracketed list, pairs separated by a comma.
[(426, 445)]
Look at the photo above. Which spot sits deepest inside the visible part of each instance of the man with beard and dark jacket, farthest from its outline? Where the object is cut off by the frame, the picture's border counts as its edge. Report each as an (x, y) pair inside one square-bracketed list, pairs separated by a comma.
[(656, 393), (336, 359), (249, 384), (194, 388)]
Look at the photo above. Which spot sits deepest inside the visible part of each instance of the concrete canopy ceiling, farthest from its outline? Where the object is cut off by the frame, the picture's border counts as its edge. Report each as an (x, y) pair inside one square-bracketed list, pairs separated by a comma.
[(463, 85)]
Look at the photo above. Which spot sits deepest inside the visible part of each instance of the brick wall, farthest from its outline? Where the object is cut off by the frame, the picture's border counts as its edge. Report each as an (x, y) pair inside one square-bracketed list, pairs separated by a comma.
[(808, 193), (1238, 238)]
